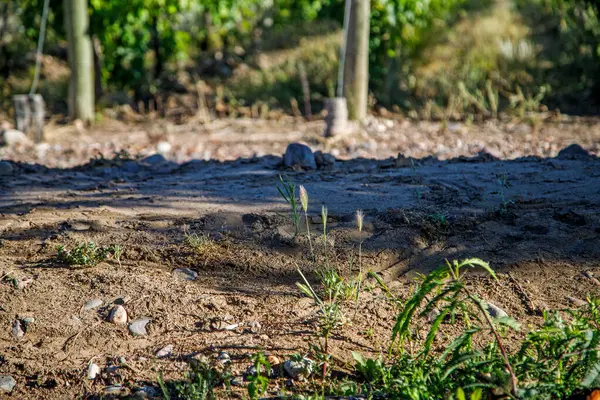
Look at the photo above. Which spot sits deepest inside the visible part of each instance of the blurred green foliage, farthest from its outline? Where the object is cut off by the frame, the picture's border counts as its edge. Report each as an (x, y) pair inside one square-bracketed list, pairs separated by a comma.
[(140, 43)]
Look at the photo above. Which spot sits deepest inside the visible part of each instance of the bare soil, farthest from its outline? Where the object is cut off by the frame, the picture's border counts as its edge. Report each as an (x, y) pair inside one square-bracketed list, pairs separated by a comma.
[(496, 191)]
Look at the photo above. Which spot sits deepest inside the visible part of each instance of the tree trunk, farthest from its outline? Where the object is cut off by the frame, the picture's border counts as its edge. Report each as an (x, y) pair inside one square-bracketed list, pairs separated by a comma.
[(356, 68), (81, 60)]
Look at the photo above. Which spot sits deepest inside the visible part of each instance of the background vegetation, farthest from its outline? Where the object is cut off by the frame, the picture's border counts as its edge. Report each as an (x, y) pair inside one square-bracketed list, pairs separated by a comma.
[(442, 58)]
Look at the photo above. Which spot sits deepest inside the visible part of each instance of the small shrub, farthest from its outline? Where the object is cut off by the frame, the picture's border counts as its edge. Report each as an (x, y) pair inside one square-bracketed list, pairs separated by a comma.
[(86, 254)]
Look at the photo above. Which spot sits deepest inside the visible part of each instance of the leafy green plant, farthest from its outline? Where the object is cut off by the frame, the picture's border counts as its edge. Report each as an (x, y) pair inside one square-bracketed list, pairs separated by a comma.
[(199, 243), (200, 383), (86, 254), (117, 252), (331, 316), (259, 382), (287, 190), (551, 362)]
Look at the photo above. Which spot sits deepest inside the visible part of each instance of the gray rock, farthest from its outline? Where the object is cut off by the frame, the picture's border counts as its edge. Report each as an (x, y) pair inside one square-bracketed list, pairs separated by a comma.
[(251, 371), (324, 160), (154, 160), (92, 304), (299, 155), (224, 358), (118, 315), (237, 382), (93, 371), (495, 311), (13, 137), (165, 351), (131, 167), (138, 327), (17, 329), (185, 273), (573, 152), (298, 369), (7, 383), (147, 392), (6, 168)]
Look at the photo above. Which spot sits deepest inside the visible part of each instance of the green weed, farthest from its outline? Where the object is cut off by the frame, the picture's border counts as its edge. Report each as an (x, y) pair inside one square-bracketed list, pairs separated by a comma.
[(287, 190), (86, 254)]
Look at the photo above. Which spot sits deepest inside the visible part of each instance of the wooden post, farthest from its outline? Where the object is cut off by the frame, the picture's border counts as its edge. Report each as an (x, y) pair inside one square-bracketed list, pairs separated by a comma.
[(29, 115), (81, 60), (356, 68)]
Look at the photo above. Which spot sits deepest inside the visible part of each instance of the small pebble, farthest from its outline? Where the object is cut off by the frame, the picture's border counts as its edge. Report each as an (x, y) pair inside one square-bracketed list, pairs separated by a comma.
[(138, 327), (23, 283), (114, 389), (495, 311), (165, 351), (163, 147), (185, 273), (224, 357), (255, 326), (93, 371), (92, 304), (118, 315), (273, 360), (7, 383), (237, 382), (17, 329)]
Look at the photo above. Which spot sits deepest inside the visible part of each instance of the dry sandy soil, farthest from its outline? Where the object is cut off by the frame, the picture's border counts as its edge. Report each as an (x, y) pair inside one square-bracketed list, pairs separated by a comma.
[(497, 191)]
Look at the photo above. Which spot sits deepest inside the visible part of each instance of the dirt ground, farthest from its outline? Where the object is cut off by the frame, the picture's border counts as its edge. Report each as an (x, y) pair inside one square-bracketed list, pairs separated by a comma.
[(497, 191)]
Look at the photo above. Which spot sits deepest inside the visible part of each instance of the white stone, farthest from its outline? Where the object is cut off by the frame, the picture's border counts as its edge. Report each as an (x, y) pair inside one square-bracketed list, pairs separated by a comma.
[(163, 147), (13, 137), (93, 371)]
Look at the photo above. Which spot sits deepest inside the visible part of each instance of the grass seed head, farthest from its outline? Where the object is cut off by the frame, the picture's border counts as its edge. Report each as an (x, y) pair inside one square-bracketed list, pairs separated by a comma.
[(304, 198), (360, 217)]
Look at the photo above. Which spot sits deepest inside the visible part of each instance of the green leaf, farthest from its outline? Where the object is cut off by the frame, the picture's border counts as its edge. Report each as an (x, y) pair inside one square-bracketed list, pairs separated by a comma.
[(508, 321), (592, 378), (460, 394)]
